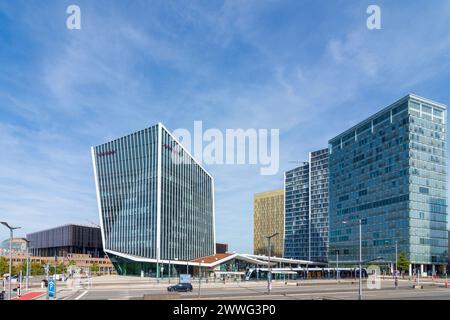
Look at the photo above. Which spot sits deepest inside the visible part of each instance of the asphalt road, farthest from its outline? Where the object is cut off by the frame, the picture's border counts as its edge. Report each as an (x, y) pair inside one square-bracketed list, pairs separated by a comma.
[(250, 291)]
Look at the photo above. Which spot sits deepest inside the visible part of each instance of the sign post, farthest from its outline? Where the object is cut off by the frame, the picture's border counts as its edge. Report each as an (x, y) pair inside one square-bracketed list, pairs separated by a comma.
[(185, 278), (46, 276), (52, 288)]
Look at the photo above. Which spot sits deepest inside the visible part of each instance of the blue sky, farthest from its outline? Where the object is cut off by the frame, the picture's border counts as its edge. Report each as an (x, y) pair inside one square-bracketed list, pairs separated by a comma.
[(308, 68)]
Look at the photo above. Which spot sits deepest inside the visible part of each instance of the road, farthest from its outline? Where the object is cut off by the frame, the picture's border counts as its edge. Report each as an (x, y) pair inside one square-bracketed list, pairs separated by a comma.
[(251, 291)]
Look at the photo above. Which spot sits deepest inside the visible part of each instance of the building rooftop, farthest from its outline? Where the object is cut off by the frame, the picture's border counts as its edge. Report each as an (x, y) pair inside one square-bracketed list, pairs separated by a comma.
[(392, 105), (65, 225), (269, 193), (213, 258)]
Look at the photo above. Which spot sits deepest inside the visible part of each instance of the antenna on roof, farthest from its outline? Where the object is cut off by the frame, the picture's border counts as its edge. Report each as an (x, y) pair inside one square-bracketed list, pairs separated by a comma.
[(93, 223)]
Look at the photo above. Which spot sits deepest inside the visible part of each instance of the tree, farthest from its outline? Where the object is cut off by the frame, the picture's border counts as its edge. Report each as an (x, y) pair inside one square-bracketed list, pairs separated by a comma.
[(61, 268), (95, 267), (16, 268), (402, 262), (36, 269), (4, 266)]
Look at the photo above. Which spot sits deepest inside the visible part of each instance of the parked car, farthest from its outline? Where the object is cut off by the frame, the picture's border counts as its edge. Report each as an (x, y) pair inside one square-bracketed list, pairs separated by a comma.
[(180, 287), (13, 278)]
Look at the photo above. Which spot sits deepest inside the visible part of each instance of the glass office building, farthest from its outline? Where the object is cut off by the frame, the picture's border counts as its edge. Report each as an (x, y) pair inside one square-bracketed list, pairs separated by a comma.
[(156, 202), (296, 211), (318, 205), (306, 209), (389, 171)]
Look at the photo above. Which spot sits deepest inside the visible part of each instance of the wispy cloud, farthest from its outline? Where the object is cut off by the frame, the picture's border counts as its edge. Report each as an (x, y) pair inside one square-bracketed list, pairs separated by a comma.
[(310, 70)]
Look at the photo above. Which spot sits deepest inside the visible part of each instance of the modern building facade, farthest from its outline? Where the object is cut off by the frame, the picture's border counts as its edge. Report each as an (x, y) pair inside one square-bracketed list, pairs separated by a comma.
[(296, 204), (84, 262), (306, 209), (389, 172), (156, 202), (221, 247), (268, 219), (241, 266), (448, 252), (318, 206), (17, 244), (67, 239)]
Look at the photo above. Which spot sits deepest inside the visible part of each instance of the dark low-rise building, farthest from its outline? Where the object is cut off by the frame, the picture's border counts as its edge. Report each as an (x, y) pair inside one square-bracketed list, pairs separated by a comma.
[(67, 239), (221, 247)]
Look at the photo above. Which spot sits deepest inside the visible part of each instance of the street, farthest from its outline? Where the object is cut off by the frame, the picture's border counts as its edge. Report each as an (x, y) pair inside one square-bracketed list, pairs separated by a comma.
[(306, 290)]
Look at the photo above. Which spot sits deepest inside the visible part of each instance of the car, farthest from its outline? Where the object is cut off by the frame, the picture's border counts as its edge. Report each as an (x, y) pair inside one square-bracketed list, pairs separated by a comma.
[(180, 287), (13, 278)]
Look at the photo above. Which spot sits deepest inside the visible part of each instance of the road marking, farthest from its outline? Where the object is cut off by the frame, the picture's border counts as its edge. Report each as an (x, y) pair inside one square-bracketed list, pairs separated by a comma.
[(81, 295)]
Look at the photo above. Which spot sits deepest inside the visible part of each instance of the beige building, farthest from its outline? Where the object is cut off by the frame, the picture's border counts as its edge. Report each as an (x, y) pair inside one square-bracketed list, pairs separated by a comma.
[(83, 261), (268, 218)]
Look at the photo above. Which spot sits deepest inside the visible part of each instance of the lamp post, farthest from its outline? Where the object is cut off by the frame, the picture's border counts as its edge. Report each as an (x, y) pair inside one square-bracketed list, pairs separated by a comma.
[(200, 278), (11, 232), (169, 271), (157, 264), (360, 258), (396, 256), (396, 266), (337, 265), (176, 259), (27, 281), (269, 269)]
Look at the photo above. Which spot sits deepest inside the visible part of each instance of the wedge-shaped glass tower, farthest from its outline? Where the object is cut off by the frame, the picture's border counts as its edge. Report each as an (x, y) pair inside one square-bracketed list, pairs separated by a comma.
[(156, 202)]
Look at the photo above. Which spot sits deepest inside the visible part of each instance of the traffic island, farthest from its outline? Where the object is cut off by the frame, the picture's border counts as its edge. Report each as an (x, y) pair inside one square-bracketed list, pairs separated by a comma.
[(163, 296)]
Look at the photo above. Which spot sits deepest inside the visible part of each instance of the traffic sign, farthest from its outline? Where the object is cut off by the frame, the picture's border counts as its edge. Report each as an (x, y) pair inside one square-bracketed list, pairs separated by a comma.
[(51, 288), (185, 278)]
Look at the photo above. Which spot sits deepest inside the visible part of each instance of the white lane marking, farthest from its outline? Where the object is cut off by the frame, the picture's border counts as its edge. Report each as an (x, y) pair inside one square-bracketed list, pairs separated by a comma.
[(81, 295)]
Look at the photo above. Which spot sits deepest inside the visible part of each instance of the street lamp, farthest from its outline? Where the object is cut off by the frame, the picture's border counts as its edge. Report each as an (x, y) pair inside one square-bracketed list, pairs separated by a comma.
[(337, 265), (269, 269), (11, 230), (169, 270), (396, 266), (360, 258), (396, 257), (176, 259), (200, 278), (28, 265)]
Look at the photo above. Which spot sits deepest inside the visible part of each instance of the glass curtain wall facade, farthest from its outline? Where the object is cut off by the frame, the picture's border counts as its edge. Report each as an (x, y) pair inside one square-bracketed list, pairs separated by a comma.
[(152, 209), (187, 222), (318, 205), (389, 171), (296, 202), (306, 209)]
